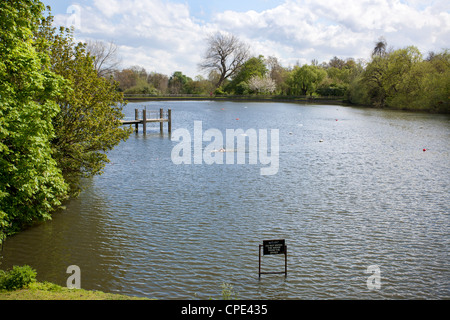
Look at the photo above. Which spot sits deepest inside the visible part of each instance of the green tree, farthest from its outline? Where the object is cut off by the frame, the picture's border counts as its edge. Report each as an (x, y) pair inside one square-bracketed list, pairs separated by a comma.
[(417, 84), (88, 124), (372, 82), (436, 82), (31, 185), (199, 86), (178, 82), (304, 80), (402, 79), (254, 66)]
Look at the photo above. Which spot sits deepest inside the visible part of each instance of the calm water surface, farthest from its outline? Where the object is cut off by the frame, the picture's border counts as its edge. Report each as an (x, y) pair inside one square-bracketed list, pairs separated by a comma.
[(367, 195)]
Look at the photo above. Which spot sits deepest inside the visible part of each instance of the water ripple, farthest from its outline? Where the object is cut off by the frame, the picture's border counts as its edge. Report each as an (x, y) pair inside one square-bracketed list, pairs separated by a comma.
[(367, 195)]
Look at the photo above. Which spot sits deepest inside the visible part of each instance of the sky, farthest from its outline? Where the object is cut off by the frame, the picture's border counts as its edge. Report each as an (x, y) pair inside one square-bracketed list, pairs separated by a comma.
[(165, 36)]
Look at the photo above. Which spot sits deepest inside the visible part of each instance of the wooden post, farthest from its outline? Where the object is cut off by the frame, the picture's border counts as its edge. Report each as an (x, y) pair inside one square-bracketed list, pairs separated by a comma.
[(144, 121), (285, 261), (136, 117), (161, 124), (259, 260), (169, 115)]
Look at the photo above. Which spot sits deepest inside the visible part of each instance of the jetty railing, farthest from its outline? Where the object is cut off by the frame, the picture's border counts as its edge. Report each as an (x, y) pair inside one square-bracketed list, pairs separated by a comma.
[(151, 116)]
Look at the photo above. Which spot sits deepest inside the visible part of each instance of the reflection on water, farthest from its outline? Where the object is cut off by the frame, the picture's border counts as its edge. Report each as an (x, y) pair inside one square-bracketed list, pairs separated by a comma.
[(367, 195)]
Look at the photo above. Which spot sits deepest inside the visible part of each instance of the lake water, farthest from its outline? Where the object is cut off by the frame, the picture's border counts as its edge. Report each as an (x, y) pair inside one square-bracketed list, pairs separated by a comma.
[(367, 195)]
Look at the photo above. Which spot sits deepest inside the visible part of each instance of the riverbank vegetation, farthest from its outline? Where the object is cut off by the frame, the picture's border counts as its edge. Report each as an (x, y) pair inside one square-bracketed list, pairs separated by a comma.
[(391, 78), (57, 116), (20, 284)]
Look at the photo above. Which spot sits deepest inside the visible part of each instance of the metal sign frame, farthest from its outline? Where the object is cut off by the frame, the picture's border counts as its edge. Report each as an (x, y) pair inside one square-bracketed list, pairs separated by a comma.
[(272, 247)]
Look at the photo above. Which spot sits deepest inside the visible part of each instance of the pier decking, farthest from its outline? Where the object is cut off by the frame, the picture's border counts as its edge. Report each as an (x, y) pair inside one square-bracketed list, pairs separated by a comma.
[(151, 117)]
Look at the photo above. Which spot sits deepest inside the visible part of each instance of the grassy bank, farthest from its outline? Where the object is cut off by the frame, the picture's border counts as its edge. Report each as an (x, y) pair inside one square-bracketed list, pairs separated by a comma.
[(50, 291)]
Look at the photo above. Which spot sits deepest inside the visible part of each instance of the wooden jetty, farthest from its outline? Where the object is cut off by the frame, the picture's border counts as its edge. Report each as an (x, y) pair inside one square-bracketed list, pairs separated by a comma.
[(151, 117)]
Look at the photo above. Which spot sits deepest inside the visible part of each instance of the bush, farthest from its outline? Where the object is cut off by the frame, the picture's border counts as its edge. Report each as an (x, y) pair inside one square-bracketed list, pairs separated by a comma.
[(17, 278), (337, 90), (219, 92)]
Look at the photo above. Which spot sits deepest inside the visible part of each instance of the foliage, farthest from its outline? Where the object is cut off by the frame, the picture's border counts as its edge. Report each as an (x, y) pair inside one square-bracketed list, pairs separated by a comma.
[(50, 291), (337, 90), (402, 79), (126, 78), (254, 66), (178, 82), (399, 79), (17, 278), (263, 85), (278, 74), (304, 80), (31, 184), (199, 86), (88, 124), (219, 91), (142, 87), (228, 292)]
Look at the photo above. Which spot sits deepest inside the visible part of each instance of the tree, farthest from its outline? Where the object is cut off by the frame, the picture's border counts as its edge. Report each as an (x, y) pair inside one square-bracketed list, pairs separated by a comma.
[(224, 54), (277, 73), (105, 57), (264, 85), (31, 184), (159, 81), (88, 124), (336, 63), (380, 47), (396, 80), (126, 79), (199, 86), (369, 87), (177, 82), (436, 82), (304, 80), (402, 79), (135, 81), (254, 66)]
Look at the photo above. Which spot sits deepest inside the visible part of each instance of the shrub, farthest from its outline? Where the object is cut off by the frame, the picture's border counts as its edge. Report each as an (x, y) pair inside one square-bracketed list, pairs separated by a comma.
[(219, 91), (228, 292), (17, 278)]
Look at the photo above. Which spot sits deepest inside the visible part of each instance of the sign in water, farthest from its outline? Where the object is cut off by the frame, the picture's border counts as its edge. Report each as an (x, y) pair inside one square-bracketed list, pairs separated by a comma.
[(273, 247)]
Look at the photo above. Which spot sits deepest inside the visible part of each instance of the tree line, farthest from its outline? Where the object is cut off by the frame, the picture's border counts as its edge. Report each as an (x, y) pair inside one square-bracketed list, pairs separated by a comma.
[(401, 78), (58, 117)]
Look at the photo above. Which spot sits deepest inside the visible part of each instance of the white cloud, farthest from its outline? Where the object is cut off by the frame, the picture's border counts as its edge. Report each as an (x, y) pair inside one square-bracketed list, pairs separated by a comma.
[(342, 27), (164, 36)]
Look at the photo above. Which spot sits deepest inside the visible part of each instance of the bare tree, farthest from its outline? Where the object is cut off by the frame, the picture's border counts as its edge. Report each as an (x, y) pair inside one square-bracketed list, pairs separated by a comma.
[(159, 81), (106, 59), (225, 55)]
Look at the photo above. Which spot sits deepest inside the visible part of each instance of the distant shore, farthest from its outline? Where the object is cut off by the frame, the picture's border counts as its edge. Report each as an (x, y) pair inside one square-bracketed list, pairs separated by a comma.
[(247, 98), (255, 98)]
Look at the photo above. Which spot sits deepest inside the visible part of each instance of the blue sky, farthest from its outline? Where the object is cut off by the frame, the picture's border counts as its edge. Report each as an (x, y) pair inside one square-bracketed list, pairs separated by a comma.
[(199, 8), (169, 35)]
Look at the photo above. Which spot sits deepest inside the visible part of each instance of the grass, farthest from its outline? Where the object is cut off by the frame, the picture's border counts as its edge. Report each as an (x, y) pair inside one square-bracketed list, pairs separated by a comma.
[(50, 291)]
